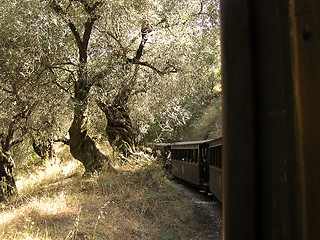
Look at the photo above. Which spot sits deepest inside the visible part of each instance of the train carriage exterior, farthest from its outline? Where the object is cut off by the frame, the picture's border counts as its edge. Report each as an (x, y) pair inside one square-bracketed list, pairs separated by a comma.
[(190, 162), (215, 169), (199, 163)]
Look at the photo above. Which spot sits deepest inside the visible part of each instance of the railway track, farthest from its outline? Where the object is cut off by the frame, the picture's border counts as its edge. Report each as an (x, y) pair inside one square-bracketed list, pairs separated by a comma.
[(207, 213)]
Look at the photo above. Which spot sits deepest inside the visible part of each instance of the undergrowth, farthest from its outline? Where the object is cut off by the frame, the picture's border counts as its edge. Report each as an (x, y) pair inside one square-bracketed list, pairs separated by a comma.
[(58, 202)]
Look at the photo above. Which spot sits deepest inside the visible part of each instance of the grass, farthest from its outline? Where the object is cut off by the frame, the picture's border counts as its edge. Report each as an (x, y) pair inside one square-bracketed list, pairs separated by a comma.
[(58, 202)]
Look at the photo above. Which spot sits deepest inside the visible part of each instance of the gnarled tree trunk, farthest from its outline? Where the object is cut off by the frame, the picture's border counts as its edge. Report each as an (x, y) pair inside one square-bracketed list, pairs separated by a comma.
[(119, 127), (82, 147), (7, 182)]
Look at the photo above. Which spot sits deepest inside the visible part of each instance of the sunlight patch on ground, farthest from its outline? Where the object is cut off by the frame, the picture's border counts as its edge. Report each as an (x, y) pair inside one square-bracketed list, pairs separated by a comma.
[(52, 171), (8, 216), (39, 208), (53, 206)]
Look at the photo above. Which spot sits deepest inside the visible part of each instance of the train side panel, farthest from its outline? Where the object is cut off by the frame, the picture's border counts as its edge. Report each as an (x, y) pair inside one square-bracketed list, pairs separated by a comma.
[(186, 171), (216, 182)]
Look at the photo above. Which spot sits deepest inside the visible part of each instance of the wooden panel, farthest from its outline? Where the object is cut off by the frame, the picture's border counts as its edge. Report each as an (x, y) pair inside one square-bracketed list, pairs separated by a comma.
[(186, 171), (306, 48), (260, 199), (216, 182), (239, 203)]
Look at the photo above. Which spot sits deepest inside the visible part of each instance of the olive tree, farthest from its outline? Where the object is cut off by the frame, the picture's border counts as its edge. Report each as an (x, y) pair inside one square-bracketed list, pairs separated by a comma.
[(28, 99), (80, 17)]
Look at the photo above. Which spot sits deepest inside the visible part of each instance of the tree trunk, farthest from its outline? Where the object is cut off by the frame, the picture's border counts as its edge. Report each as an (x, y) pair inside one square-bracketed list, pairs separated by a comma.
[(82, 147), (7, 182), (119, 128), (119, 125)]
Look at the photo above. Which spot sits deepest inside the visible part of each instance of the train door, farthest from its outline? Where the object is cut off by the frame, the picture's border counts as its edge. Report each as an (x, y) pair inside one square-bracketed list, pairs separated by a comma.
[(204, 166)]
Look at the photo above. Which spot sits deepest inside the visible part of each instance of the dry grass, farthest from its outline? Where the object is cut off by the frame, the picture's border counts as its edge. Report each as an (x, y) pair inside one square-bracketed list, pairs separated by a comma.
[(136, 202)]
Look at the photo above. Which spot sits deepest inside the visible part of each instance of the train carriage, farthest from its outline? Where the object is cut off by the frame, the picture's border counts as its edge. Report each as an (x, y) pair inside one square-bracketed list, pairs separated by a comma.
[(199, 163), (190, 162), (215, 169)]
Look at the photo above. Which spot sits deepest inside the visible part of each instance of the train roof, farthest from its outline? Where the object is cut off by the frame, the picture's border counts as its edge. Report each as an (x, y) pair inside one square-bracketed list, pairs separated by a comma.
[(188, 144), (192, 142), (161, 144), (195, 143)]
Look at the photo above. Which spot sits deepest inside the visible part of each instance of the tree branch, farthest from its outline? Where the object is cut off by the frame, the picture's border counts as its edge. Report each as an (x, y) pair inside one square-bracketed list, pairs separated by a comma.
[(166, 70), (87, 7), (124, 50), (16, 142), (84, 42), (87, 32), (6, 90), (75, 33), (58, 84)]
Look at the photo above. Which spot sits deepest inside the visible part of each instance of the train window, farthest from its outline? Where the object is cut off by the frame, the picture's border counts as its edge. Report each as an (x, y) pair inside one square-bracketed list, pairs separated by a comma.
[(218, 163), (220, 156), (187, 155), (215, 156), (193, 155), (178, 154), (175, 154), (204, 152), (197, 155), (211, 154)]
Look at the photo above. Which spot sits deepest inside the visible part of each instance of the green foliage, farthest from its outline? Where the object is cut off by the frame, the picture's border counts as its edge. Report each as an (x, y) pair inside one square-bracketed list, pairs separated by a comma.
[(27, 48), (172, 103), (177, 89)]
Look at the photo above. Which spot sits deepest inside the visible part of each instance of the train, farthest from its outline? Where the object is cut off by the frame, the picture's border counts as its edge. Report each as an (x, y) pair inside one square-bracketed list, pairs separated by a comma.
[(198, 163)]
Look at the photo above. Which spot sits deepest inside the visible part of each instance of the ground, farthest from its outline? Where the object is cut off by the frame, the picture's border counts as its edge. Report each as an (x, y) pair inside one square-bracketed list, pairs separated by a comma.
[(207, 214)]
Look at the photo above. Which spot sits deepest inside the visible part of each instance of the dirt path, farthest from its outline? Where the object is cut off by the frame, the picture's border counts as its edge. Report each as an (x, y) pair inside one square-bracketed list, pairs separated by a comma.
[(207, 214)]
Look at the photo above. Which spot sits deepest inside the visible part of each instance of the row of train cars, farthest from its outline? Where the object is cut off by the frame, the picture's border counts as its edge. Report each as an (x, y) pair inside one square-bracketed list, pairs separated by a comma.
[(196, 162)]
